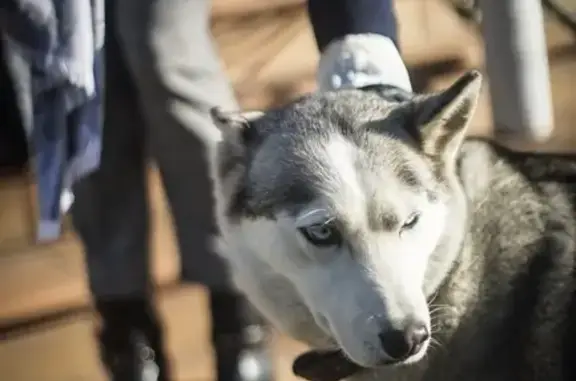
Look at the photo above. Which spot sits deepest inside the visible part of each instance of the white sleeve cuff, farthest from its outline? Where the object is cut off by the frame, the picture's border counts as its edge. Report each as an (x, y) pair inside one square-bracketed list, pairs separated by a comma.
[(359, 60)]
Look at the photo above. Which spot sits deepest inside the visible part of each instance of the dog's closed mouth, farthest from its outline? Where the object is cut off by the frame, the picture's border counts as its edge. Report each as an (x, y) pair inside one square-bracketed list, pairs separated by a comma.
[(327, 365)]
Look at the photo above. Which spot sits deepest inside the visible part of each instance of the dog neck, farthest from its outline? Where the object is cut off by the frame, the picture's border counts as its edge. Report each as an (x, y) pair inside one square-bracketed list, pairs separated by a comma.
[(454, 293)]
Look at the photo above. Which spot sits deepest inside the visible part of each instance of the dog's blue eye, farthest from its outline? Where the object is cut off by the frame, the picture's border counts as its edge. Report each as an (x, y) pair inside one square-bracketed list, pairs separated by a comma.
[(411, 221), (322, 235)]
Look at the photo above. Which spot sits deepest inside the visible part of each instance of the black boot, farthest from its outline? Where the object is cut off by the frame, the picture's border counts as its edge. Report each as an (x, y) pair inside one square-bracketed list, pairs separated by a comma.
[(240, 339), (131, 341)]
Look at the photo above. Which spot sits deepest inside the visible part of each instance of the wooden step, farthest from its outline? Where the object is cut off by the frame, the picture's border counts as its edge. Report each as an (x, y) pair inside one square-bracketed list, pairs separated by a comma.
[(42, 279), (66, 350), (17, 213), (240, 8)]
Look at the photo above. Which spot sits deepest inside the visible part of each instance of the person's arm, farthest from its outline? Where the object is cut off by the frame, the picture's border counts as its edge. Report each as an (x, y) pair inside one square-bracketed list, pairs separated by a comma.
[(334, 19)]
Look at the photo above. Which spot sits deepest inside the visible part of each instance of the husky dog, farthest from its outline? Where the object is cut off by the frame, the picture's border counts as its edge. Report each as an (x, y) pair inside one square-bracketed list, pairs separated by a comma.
[(374, 231)]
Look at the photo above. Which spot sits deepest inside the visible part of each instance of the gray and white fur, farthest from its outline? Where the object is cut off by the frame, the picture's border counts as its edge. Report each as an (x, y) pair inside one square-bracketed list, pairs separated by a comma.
[(375, 228)]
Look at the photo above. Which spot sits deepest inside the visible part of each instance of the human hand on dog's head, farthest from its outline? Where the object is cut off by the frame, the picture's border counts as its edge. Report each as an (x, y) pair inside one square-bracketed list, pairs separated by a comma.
[(316, 365)]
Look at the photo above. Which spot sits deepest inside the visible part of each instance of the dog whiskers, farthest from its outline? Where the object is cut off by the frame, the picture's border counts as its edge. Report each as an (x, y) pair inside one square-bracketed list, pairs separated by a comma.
[(435, 344), (433, 297)]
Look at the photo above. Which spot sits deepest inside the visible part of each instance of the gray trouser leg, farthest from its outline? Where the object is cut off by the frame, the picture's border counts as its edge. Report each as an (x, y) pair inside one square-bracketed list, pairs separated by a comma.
[(180, 78), (517, 65), (177, 77)]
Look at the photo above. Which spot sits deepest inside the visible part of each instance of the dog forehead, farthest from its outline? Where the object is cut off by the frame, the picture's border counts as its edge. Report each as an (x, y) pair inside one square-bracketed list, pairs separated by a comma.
[(317, 148), (328, 135), (350, 175), (319, 117), (317, 111)]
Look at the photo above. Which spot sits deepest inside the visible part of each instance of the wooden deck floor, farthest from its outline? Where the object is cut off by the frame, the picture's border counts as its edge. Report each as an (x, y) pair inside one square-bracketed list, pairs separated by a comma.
[(270, 58), (64, 350)]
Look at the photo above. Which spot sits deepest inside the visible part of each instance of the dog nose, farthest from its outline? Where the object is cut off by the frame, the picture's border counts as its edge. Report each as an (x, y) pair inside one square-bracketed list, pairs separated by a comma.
[(401, 344)]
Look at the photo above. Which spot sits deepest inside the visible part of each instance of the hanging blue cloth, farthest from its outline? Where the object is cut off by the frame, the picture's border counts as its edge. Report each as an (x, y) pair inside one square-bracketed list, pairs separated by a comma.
[(54, 52)]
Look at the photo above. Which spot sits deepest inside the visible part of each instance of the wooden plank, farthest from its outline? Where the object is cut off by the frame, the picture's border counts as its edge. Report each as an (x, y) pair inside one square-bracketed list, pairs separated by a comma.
[(236, 8), (16, 213), (67, 351), (46, 278), (430, 31)]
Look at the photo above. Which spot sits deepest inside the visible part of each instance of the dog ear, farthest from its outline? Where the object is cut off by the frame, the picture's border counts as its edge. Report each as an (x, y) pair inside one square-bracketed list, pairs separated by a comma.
[(235, 127), (228, 159), (442, 119)]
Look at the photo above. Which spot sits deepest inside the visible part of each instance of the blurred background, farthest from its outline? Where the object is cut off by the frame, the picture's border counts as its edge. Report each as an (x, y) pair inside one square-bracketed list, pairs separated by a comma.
[(46, 324)]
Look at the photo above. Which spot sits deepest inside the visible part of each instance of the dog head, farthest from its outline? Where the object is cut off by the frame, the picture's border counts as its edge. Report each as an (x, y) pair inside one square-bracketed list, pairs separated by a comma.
[(355, 201)]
